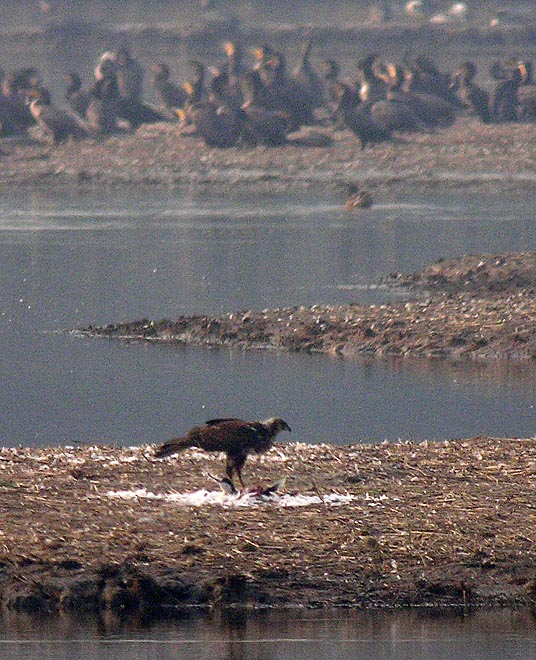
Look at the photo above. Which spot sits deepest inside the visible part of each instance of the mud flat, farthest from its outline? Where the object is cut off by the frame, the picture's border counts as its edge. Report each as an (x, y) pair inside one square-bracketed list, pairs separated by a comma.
[(390, 525), (466, 154), (477, 307)]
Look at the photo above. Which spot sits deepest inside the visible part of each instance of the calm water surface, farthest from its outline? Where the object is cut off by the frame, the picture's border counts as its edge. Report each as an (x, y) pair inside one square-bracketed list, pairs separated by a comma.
[(298, 635), (69, 259)]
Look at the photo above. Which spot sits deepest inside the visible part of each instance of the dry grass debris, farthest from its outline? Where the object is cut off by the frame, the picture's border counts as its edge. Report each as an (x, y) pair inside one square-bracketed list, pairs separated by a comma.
[(448, 523)]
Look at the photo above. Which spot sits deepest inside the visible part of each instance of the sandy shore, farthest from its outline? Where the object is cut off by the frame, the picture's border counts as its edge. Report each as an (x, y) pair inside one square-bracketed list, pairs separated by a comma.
[(448, 523), (469, 153), (476, 307)]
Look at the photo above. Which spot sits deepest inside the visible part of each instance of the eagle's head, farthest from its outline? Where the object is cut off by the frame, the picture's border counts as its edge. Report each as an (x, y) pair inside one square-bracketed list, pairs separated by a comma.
[(276, 424)]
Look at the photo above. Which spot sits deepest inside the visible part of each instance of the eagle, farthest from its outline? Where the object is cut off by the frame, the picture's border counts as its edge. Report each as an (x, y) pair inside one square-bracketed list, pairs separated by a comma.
[(236, 437)]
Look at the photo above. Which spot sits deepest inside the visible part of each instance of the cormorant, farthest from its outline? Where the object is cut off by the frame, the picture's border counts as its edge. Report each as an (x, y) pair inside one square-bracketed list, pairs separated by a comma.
[(504, 102), (527, 92), (101, 113), (470, 95), (261, 124), (370, 86), (77, 98), (233, 69), (358, 118), (60, 125), (286, 94), (171, 96), (195, 87), (15, 116), (307, 77), (218, 123), (129, 76), (431, 109)]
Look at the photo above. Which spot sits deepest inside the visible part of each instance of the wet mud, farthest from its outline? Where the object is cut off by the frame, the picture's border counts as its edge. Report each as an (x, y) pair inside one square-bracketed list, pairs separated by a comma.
[(476, 307)]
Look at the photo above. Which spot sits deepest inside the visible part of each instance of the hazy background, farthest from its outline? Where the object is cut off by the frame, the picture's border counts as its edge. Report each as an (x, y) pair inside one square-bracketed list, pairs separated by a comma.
[(62, 36)]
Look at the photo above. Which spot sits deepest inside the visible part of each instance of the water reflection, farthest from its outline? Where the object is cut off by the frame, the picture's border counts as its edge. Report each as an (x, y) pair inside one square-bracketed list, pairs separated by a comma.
[(298, 634)]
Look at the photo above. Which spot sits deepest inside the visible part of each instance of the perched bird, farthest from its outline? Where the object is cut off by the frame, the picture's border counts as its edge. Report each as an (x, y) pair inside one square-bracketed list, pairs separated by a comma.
[(129, 76), (472, 97), (286, 94), (57, 123), (430, 109), (219, 126), (307, 77), (195, 87), (358, 118), (170, 95), (77, 98), (370, 85), (504, 101), (101, 112), (261, 124), (357, 198), (526, 93), (236, 437)]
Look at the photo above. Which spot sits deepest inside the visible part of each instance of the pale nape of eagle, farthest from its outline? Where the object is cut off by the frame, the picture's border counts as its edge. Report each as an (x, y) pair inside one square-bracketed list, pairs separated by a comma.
[(236, 437)]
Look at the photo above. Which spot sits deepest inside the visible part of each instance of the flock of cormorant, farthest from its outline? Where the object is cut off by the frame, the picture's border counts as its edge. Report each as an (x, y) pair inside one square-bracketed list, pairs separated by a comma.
[(264, 102)]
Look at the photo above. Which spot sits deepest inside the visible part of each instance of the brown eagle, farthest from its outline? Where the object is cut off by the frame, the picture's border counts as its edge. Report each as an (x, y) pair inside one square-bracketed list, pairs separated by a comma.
[(236, 437)]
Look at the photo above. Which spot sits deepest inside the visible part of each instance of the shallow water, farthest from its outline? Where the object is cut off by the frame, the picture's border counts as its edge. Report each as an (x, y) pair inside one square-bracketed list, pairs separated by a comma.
[(72, 258), (299, 635)]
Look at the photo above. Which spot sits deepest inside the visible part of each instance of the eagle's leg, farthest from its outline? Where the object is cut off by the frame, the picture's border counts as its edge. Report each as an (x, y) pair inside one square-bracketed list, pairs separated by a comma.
[(235, 463)]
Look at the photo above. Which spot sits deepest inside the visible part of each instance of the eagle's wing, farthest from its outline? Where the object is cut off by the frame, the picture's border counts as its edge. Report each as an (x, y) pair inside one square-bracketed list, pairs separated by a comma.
[(219, 420), (229, 435)]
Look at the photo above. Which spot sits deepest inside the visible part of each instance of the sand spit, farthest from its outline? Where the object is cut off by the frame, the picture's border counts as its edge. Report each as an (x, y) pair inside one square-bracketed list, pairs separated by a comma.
[(467, 154), (403, 524), (477, 307)]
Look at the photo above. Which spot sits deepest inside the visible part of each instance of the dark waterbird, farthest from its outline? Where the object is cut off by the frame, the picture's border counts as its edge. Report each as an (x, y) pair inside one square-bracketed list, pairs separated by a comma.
[(169, 94), (77, 98), (471, 96), (504, 101), (358, 118), (57, 123)]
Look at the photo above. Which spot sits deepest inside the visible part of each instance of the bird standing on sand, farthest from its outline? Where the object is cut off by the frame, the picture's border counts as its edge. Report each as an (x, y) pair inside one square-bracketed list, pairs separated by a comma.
[(57, 123), (236, 437)]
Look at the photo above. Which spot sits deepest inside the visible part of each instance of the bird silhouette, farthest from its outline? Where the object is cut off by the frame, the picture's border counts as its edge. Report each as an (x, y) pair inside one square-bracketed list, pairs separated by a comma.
[(236, 437)]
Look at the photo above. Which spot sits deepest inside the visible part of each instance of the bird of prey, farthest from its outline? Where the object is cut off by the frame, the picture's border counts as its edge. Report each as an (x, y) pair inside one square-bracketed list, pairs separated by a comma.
[(236, 437)]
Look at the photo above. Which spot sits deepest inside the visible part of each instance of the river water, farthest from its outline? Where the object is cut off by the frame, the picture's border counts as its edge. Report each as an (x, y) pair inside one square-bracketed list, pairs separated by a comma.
[(71, 259), (299, 635)]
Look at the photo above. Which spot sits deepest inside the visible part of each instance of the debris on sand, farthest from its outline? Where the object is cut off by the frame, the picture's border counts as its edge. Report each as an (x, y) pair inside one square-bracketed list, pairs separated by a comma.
[(393, 524), (478, 307)]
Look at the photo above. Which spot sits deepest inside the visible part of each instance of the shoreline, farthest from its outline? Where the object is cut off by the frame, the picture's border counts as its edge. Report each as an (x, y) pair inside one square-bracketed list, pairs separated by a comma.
[(477, 307), (467, 155), (443, 524)]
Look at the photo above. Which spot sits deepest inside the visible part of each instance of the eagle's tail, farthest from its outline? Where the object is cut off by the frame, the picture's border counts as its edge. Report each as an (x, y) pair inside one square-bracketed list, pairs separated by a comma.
[(172, 447)]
